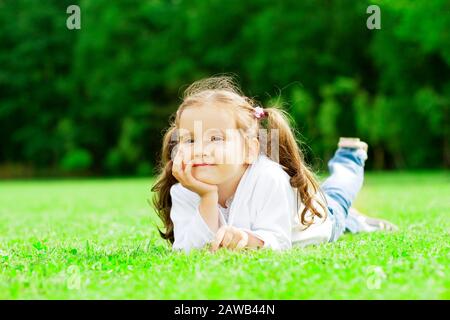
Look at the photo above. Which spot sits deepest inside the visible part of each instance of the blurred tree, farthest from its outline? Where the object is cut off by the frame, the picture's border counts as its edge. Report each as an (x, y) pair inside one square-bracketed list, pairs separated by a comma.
[(99, 98)]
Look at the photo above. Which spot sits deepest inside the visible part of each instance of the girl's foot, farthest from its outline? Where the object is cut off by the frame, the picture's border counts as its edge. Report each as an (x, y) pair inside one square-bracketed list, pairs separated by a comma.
[(370, 224), (354, 143)]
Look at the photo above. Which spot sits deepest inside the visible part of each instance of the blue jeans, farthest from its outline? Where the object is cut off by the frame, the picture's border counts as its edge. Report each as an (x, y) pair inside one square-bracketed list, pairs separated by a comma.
[(342, 186)]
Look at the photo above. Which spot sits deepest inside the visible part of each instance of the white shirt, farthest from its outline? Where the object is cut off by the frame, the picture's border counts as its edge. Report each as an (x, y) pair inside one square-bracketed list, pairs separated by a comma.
[(226, 210), (264, 204)]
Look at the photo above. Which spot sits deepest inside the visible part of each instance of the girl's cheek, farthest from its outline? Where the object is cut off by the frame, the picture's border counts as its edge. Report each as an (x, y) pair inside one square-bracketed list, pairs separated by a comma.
[(219, 155), (233, 153)]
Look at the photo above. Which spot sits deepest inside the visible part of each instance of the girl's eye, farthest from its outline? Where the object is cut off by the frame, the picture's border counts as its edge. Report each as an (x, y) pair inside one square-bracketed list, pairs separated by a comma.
[(216, 138), (213, 138)]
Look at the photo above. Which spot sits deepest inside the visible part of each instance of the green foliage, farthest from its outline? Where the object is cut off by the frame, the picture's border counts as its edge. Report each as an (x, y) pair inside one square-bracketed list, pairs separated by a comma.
[(109, 88), (78, 159)]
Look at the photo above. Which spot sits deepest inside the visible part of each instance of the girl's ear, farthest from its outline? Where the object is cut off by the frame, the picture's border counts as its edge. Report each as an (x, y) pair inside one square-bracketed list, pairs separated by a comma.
[(253, 150)]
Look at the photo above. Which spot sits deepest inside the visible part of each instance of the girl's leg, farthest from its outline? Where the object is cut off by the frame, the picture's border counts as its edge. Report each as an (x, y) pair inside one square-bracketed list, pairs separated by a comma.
[(345, 181)]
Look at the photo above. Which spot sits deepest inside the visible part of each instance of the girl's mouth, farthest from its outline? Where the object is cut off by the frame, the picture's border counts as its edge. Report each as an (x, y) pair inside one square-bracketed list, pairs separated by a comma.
[(203, 165)]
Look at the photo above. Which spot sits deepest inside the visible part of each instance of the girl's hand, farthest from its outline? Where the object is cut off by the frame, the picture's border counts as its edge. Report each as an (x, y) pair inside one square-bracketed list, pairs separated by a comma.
[(184, 175), (230, 237)]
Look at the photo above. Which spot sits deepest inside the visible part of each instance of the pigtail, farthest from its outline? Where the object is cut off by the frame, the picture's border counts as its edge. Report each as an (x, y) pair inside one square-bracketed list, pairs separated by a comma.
[(282, 147)]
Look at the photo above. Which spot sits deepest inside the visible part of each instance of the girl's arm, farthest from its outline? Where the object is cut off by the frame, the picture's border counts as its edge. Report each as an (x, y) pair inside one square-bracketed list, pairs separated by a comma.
[(234, 238), (194, 224), (254, 242), (276, 204), (209, 211)]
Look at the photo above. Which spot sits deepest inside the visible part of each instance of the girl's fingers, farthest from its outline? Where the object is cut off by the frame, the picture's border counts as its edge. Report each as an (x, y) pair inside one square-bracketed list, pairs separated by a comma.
[(234, 241), (244, 240), (230, 238), (186, 157), (238, 236), (178, 156), (176, 165), (189, 178), (188, 173), (241, 244), (218, 239), (227, 239)]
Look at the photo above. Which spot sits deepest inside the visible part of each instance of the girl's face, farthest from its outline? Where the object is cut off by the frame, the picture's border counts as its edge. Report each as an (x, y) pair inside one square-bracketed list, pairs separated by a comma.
[(210, 139)]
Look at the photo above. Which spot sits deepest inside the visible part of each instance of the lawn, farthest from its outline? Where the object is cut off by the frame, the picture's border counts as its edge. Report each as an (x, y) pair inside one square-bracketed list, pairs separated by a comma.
[(96, 239)]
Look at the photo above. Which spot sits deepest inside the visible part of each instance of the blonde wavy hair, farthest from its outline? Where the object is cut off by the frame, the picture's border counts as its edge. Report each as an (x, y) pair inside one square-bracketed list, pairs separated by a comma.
[(290, 156)]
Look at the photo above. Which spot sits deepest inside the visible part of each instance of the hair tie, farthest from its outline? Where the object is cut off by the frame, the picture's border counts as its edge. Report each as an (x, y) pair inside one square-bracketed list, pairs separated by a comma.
[(259, 113)]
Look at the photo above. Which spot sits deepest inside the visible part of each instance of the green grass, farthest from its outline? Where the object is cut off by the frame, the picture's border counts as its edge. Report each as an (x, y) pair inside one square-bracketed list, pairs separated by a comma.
[(96, 239)]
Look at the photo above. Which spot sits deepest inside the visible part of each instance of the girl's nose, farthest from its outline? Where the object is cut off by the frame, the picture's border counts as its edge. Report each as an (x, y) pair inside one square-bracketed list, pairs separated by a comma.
[(201, 149)]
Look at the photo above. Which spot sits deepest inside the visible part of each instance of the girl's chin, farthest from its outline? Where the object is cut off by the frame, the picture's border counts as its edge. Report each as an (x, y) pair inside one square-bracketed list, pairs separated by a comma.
[(205, 178)]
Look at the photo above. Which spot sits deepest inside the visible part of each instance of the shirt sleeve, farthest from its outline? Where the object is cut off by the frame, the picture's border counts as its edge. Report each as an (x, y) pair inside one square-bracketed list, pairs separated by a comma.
[(190, 230), (273, 223)]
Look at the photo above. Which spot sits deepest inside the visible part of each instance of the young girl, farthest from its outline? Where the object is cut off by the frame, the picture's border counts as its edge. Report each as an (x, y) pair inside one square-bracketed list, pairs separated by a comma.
[(232, 175)]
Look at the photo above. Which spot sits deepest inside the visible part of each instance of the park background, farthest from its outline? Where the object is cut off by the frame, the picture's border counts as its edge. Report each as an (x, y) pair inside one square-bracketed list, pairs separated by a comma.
[(94, 103), (96, 100)]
